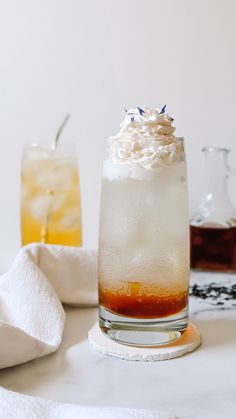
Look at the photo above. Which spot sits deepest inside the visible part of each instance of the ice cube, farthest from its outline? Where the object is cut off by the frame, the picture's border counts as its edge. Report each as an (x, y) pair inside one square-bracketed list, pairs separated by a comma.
[(71, 219), (57, 202), (58, 178), (44, 205), (24, 193), (40, 206)]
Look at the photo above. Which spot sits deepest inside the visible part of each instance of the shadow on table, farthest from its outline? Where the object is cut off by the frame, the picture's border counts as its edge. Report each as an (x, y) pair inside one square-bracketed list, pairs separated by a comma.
[(78, 323), (50, 367)]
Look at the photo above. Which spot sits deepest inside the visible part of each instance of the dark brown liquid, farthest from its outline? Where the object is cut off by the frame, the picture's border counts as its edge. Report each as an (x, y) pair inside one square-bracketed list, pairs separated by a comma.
[(139, 304), (213, 249)]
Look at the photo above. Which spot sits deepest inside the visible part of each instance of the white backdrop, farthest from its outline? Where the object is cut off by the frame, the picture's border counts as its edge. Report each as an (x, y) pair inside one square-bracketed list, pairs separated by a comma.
[(92, 58)]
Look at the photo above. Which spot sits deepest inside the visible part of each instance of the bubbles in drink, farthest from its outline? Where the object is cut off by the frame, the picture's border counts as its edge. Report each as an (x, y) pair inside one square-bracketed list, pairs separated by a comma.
[(144, 234)]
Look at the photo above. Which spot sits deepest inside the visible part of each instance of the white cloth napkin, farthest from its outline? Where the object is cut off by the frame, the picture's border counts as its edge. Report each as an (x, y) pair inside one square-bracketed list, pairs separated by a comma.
[(31, 315), (32, 322), (18, 406)]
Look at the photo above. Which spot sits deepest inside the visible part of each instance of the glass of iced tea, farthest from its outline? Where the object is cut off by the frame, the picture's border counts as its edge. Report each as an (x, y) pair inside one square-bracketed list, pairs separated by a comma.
[(50, 199), (144, 233)]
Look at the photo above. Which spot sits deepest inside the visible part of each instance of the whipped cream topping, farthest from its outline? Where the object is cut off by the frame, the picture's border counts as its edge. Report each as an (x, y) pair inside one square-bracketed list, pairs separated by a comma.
[(150, 123), (146, 137)]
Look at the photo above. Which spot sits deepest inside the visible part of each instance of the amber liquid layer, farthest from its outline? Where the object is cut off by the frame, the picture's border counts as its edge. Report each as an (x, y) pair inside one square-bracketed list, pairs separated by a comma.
[(141, 301), (34, 231), (213, 249)]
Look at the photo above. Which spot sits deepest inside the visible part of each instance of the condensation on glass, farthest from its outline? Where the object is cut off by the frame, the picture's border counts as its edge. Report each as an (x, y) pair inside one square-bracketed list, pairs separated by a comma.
[(144, 247)]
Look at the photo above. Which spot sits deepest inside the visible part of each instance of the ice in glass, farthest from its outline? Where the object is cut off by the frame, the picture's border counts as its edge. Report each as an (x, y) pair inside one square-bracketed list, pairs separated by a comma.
[(50, 203), (144, 234)]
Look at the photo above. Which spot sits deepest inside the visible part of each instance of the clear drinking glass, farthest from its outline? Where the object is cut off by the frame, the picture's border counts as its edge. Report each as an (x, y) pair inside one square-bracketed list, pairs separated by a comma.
[(144, 247), (50, 201)]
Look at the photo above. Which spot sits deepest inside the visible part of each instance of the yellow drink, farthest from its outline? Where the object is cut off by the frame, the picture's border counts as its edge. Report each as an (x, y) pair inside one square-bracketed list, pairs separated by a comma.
[(50, 205)]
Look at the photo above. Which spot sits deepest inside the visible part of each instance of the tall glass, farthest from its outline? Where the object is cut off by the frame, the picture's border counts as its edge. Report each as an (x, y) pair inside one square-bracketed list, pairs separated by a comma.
[(50, 200), (144, 246)]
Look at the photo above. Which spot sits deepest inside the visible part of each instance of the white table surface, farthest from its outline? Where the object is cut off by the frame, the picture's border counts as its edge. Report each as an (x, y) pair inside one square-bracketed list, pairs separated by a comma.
[(199, 385)]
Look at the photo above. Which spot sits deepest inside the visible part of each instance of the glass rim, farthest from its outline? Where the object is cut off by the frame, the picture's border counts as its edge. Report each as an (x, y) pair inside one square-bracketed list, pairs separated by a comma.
[(48, 145), (212, 149), (62, 151)]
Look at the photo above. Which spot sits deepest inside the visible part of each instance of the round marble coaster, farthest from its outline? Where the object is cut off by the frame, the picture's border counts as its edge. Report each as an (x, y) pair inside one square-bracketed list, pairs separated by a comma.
[(189, 341)]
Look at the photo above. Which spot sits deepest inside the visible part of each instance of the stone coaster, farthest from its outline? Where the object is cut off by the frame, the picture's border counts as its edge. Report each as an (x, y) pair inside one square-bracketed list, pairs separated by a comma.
[(189, 341)]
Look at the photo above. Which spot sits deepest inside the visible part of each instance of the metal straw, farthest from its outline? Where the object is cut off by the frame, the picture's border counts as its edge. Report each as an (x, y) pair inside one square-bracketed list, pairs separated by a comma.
[(45, 227), (60, 129)]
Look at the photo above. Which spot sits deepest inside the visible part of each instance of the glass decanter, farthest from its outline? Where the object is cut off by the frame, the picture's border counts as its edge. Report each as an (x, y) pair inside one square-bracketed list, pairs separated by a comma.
[(213, 228)]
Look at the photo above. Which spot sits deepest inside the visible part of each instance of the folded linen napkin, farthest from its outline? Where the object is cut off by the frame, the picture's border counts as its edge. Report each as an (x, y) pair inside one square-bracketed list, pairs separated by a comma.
[(26, 407), (32, 322), (31, 315)]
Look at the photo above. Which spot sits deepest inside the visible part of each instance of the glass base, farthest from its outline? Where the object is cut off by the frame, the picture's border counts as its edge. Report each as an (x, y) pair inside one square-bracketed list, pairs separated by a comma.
[(143, 332)]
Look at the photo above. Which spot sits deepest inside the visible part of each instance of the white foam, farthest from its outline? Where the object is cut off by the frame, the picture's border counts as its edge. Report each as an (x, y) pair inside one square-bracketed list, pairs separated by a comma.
[(120, 171)]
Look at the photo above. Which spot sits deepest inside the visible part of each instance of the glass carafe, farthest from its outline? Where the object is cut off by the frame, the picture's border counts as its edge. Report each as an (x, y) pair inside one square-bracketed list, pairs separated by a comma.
[(213, 228)]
